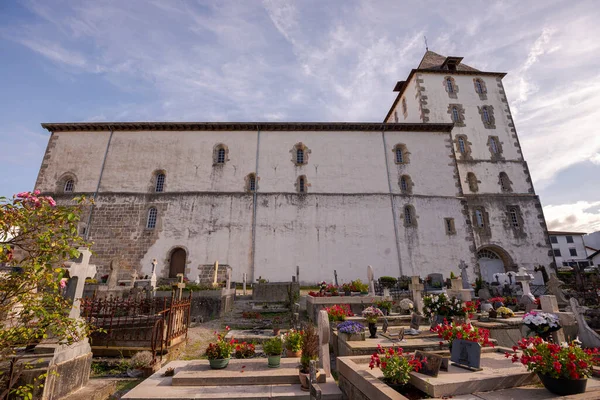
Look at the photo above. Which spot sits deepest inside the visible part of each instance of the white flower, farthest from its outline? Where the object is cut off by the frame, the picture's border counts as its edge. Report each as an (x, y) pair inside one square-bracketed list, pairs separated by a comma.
[(564, 345)]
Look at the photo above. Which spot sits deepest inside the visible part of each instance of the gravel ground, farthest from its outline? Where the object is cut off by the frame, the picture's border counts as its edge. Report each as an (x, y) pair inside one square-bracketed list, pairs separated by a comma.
[(199, 337)]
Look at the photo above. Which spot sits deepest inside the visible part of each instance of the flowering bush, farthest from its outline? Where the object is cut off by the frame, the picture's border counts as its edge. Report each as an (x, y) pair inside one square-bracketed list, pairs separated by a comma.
[(355, 286), (221, 348), (505, 312), (315, 294), (396, 367), (440, 304), (385, 305), (244, 350), (351, 327), (510, 301), (566, 361), (332, 289), (293, 340), (449, 332), (541, 323), (371, 314), (339, 312), (470, 308)]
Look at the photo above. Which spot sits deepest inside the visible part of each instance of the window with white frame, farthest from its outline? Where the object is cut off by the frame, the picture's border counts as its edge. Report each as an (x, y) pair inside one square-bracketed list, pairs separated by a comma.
[(151, 221)]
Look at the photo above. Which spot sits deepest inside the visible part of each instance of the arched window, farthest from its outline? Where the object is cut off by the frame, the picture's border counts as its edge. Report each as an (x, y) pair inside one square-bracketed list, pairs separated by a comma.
[(252, 183), (409, 216), (455, 115), (478, 86), (479, 221), (69, 186), (160, 183), (221, 156), (151, 221), (449, 85), (486, 115), (472, 180), (505, 182), (461, 145), (300, 156), (301, 184), (514, 217), (405, 184), (493, 145), (400, 154)]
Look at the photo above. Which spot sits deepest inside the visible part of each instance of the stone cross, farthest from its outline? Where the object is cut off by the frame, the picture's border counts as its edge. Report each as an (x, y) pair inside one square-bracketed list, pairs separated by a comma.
[(463, 274), (113, 277), (180, 286), (323, 327), (228, 281), (549, 305), (134, 276), (510, 276), (335, 276), (297, 273), (244, 284), (416, 287), (79, 271), (153, 276), (524, 278), (216, 272), (370, 278)]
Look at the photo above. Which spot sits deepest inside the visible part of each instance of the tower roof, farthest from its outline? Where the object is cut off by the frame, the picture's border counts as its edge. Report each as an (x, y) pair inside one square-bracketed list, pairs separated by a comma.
[(435, 62)]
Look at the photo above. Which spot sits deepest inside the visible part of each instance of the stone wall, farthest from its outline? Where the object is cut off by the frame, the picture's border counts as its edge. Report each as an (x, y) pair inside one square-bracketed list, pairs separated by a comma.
[(275, 291)]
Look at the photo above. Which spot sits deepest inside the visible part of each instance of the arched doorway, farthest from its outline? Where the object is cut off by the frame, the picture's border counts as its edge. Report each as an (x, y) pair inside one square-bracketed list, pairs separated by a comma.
[(490, 263), (177, 264)]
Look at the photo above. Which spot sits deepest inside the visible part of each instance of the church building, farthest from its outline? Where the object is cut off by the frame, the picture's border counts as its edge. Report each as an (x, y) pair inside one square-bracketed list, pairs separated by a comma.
[(441, 180)]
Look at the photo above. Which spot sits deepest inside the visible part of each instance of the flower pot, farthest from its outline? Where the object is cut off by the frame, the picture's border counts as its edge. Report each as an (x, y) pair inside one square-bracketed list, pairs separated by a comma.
[(291, 353), (398, 387), (364, 293), (304, 381), (373, 330), (563, 387), (348, 293), (274, 361), (218, 363)]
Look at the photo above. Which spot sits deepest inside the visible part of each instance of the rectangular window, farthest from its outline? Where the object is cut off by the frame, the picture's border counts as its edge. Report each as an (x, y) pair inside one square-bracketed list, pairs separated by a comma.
[(514, 219), (479, 218), (493, 145), (573, 252), (450, 228), (553, 239), (569, 239), (557, 253)]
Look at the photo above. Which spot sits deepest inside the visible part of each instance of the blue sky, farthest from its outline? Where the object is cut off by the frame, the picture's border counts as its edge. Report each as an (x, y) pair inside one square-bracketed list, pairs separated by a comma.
[(305, 60)]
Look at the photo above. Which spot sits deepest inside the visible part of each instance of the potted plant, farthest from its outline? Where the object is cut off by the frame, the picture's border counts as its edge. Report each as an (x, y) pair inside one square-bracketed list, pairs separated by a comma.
[(439, 307), (396, 366), (310, 351), (385, 306), (144, 362), (388, 281), (276, 325), (505, 312), (563, 369), (371, 314), (497, 302), (449, 332), (219, 353), (293, 343), (338, 312), (541, 323), (244, 350), (273, 349), (352, 331), (347, 289)]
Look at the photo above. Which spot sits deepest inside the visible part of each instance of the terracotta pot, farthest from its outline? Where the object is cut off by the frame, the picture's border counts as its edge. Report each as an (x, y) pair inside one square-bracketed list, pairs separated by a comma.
[(563, 387), (304, 381), (290, 353)]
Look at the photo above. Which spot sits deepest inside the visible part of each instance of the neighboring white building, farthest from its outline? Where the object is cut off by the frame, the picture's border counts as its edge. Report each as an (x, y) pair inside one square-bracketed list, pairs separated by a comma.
[(441, 180), (569, 249)]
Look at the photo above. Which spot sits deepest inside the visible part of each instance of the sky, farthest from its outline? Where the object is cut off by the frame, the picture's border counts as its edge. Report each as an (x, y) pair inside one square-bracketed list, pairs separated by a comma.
[(303, 60)]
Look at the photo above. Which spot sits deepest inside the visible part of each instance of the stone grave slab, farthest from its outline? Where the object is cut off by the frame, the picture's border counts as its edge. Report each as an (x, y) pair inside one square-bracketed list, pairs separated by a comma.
[(243, 372), (497, 372), (250, 335), (426, 341)]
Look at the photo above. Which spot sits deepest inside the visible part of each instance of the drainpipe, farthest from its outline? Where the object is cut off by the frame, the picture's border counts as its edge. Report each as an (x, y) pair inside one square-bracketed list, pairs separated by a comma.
[(254, 202), (394, 216), (89, 221)]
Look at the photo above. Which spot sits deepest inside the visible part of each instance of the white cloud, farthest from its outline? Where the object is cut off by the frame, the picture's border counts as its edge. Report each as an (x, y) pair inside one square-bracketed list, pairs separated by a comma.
[(581, 216)]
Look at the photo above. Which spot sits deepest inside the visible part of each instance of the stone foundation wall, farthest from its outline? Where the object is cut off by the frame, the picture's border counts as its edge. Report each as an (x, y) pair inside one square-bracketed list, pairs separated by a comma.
[(206, 273)]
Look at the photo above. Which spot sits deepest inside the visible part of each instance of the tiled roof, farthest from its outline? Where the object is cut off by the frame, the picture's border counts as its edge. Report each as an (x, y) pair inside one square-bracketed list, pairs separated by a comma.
[(434, 61)]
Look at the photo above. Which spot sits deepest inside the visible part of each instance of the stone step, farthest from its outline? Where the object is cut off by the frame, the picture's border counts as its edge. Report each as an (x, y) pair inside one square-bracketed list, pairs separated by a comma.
[(242, 372)]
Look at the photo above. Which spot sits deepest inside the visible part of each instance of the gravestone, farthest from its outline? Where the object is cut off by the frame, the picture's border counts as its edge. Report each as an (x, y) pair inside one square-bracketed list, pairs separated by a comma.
[(435, 281), (589, 338), (113, 276), (416, 287), (554, 287), (228, 279), (415, 321), (395, 334), (323, 327), (457, 290), (313, 386), (463, 275), (524, 277), (484, 294), (466, 354), (371, 278), (298, 274), (549, 305), (79, 271), (153, 276), (180, 286), (134, 276), (432, 364), (216, 271)]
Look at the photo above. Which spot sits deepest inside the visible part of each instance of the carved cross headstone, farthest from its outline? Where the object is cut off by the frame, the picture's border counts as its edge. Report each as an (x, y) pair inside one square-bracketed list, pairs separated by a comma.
[(463, 274), (215, 283), (371, 277), (416, 287), (180, 286), (153, 276), (323, 327), (79, 271)]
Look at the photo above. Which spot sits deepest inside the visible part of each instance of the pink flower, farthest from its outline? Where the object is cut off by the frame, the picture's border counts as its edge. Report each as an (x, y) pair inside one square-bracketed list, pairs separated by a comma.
[(63, 283), (36, 192), (51, 201), (23, 195)]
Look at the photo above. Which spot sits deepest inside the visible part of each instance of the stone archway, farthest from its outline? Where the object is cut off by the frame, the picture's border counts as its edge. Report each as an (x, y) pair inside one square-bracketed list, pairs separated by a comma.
[(177, 262), (493, 260)]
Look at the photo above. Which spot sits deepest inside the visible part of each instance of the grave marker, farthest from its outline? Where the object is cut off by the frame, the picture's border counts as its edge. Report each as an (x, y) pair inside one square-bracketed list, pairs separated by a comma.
[(180, 286), (415, 321), (416, 287), (323, 327), (463, 275), (554, 286), (79, 271), (466, 354), (371, 277), (215, 283), (134, 276), (113, 276), (298, 274), (432, 364), (550, 305), (153, 276)]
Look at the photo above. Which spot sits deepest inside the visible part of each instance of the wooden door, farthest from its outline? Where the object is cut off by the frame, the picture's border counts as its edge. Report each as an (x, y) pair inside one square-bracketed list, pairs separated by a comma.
[(177, 265)]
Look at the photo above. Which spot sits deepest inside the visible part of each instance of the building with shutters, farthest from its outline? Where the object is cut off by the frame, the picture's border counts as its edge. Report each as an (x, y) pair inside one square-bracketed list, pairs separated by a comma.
[(440, 180)]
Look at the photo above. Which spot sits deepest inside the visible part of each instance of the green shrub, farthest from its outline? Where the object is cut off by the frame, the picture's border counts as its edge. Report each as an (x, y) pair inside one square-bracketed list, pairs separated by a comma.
[(388, 281), (273, 346)]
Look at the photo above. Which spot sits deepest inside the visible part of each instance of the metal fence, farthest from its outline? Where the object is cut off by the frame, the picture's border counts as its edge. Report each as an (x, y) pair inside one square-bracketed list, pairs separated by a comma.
[(156, 324)]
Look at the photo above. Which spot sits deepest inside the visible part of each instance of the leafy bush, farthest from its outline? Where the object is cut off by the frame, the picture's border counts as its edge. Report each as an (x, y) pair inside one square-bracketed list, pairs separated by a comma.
[(339, 312), (293, 340), (310, 348), (142, 359), (388, 281), (396, 366), (273, 346)]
